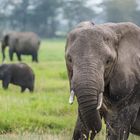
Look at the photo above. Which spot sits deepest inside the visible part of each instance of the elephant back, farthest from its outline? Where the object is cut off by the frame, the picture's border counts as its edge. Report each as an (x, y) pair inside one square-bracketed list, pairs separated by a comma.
[(24, 41)]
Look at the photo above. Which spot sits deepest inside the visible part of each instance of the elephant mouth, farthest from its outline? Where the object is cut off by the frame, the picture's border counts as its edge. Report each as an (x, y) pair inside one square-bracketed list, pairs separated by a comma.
[(99, 102)]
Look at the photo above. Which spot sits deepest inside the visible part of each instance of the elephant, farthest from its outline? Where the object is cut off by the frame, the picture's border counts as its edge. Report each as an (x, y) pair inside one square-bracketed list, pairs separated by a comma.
[(103, 65), (21, 43), (18, 74)]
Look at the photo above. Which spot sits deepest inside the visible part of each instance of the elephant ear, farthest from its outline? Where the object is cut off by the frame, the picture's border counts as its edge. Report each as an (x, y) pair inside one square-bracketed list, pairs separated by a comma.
[(68, 66), (127, 70)]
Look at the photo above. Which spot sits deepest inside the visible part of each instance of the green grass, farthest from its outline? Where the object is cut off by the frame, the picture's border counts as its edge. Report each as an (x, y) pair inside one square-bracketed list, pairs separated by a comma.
[(44, 114)]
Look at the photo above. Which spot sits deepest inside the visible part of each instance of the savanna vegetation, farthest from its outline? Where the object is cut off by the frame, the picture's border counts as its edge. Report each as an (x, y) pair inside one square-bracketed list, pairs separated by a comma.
[(44, 114)]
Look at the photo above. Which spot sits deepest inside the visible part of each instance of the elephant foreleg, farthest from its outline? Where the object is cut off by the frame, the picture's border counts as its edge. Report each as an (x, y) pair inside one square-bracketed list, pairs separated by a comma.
[(19, 56), (11, 54), (117, 132), (31, 89), (136, 126), (118, 123), (82, 133), (6, 81), (77, 130), (5, 84), (23, 89), (35, 57)]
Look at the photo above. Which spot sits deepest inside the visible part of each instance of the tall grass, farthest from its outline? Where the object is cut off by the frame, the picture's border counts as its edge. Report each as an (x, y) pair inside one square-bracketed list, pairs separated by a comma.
[(44, 114)]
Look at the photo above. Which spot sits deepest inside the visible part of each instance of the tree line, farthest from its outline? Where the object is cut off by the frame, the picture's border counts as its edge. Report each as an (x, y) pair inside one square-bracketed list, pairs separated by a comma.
[(53, 18)]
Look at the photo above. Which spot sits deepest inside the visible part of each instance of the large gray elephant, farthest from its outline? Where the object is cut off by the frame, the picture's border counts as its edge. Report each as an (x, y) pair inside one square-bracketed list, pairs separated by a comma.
[(103, 63), (21, 43)]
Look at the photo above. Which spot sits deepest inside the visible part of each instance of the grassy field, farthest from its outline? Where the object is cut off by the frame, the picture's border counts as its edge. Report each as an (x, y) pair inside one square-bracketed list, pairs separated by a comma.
[(44, 114)]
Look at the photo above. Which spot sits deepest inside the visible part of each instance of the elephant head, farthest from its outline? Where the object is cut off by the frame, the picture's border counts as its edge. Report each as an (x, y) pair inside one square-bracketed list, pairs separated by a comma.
[(5, 42), (91, 55)]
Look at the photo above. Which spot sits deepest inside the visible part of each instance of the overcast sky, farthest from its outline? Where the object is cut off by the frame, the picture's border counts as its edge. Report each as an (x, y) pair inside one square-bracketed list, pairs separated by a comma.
[(95, 3)]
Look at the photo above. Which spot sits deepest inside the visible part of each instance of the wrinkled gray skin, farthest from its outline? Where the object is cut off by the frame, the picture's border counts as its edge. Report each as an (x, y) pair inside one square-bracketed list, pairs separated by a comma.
[(18, 74), (21, 43), (105, 58)]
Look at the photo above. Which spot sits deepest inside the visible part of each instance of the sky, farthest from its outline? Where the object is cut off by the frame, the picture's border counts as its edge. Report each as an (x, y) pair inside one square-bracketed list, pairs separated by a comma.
[(95, 5), (95, 1)]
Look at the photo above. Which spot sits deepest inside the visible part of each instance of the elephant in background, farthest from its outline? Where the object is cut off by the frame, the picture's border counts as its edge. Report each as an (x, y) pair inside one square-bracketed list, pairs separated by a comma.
[(18, 74), (103, 64), (21, 43)]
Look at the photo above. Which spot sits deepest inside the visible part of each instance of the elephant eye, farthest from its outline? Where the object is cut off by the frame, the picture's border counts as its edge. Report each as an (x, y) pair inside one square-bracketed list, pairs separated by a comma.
[(106, 39), (108, 61), (69, 58)]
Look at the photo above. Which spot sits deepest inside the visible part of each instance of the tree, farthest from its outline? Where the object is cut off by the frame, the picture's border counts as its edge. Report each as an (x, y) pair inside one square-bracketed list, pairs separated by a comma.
[(5, 11), (76, 11), (32, 15), (20, 15), (45, 15), (120, 10)]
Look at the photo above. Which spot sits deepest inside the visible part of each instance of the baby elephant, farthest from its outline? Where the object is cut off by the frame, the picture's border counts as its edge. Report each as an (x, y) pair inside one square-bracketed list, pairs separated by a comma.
[(18, 74)]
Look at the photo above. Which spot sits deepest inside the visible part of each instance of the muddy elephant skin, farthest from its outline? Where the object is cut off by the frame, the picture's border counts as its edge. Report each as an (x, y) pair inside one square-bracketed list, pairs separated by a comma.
[(103, 64)]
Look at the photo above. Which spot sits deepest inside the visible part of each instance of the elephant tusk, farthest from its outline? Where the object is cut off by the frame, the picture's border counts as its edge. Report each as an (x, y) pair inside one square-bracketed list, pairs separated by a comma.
[(100, 101), (71, 99)]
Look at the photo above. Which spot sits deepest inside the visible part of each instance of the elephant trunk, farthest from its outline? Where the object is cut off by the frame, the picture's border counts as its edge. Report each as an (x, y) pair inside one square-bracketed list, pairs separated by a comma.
[(88, 104), (88, 91)]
